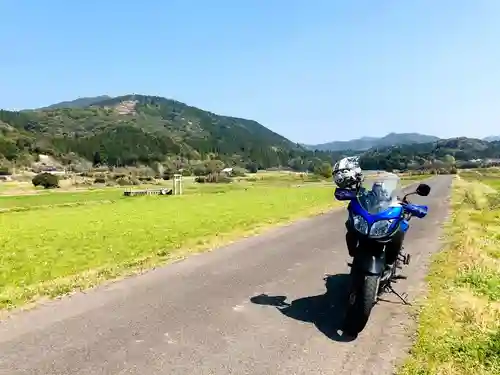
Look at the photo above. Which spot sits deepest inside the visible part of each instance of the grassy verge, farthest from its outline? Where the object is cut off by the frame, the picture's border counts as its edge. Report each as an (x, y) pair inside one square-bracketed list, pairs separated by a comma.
[(459, 324), (49, 252), (488, 176)]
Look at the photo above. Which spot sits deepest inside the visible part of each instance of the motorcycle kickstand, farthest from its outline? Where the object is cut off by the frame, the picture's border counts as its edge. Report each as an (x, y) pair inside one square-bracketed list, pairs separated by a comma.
[(402, 297)]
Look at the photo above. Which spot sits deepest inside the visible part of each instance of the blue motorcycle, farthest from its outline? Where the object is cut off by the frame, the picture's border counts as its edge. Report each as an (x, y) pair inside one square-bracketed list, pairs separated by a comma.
[(377, 216)]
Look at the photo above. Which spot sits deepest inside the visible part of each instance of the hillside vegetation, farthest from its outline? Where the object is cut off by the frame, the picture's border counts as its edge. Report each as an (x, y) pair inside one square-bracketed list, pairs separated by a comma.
[(137, 129), (134, 130), (79, 103), (366, 143), (462, 152)]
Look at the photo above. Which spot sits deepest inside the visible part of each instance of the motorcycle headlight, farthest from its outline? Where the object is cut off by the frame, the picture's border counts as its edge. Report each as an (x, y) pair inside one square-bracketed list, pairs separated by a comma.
[(360, 224), (380, 228)]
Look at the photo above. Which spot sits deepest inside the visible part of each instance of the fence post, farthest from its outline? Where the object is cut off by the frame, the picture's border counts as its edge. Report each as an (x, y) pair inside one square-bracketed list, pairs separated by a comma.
[(177, 188)]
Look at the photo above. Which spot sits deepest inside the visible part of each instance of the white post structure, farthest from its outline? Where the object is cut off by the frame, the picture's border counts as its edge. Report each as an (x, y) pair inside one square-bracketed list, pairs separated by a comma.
[(177, 190)]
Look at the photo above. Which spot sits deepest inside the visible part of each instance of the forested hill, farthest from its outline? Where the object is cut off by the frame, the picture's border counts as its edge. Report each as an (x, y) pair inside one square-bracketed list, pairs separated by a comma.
[(462, 152), (147, 130), (366, 143), (79, 103), (139, 129)]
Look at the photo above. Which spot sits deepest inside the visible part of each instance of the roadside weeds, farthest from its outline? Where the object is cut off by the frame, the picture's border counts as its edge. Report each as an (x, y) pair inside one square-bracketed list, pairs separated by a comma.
[(459, 319)]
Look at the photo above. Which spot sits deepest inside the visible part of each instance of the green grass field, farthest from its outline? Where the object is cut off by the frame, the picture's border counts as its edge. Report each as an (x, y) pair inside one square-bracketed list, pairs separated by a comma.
[(56, 198), (43, 198), (51, 251), (55, 241), (459, 321)]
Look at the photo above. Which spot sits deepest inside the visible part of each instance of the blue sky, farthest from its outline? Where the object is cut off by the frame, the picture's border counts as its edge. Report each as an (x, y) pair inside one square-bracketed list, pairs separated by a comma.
[(312, 70)]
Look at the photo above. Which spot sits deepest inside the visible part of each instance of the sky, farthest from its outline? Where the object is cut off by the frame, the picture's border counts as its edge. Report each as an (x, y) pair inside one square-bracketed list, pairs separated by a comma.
[(312, 70)]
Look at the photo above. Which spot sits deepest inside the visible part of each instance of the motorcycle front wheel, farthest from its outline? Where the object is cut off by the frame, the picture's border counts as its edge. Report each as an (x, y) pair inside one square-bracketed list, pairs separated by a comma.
[(361, 301)]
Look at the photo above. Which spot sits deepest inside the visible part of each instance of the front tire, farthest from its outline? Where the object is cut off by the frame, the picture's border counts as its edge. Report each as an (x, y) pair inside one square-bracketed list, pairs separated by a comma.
[(361, 301)]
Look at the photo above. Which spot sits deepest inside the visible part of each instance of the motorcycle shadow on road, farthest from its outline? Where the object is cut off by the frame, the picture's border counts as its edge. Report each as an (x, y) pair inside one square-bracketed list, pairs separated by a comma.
[(325, 311)]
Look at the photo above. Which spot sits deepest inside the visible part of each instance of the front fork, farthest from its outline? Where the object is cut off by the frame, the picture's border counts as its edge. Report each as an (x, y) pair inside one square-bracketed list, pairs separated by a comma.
[(351, 239), (362, 266)]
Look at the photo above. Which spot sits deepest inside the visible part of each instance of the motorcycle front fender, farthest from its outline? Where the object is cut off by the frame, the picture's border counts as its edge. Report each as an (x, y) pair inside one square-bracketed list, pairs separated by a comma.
[(368, 264)]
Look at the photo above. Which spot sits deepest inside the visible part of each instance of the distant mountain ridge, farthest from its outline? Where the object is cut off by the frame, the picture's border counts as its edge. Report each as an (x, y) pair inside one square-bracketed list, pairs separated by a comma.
[(366, 143), (143, 130), (78, 103)]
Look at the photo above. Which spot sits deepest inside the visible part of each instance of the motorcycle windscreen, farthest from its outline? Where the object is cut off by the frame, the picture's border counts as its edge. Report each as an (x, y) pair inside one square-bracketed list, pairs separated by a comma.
[(379, 193)]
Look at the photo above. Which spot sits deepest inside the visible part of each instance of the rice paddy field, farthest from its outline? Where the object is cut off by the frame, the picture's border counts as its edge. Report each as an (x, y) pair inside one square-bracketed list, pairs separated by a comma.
[(58, 241)]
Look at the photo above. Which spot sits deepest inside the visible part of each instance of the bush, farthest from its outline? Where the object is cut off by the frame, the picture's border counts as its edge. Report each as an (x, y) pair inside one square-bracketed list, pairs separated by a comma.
[(4, 171), (168, 175), (214, 166), (324, 170), (239, 172), (218, 178), (200, 170), (99, 180), (124, 181), (213, 178), (85, 183), (252, 167), (47, 180)]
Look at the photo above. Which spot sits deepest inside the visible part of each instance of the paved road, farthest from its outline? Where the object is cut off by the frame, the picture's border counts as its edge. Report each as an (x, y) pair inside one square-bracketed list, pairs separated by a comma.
[(205, 315)]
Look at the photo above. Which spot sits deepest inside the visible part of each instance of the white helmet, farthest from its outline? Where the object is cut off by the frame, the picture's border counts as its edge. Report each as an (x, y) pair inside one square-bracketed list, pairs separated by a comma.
[(347, 172)]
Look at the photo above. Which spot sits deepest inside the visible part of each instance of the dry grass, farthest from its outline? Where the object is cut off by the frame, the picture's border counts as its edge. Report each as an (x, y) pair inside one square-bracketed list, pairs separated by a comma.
[(459, 323)]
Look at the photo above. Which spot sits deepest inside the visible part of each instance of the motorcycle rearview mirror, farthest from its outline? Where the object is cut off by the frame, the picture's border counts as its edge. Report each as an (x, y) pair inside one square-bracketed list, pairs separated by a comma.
[(423, 190)]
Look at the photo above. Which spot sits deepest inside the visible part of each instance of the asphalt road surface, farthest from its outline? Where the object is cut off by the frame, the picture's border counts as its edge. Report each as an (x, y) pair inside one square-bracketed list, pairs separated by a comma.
[(266, 305)]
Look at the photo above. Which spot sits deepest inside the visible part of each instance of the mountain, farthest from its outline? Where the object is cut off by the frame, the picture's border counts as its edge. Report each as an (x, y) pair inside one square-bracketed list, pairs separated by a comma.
[(366, 143), (492, 138), (423, 155), (141, 129), (78, 103), (134, 130)]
